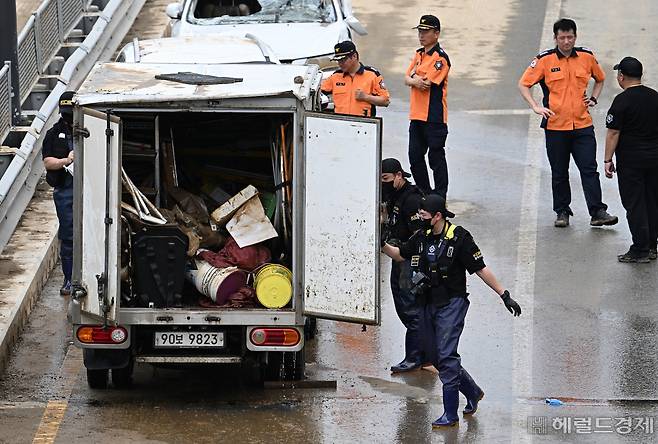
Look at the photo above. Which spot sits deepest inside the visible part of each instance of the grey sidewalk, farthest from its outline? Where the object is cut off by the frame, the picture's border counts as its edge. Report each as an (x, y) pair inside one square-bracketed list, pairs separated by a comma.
[(25, 265)]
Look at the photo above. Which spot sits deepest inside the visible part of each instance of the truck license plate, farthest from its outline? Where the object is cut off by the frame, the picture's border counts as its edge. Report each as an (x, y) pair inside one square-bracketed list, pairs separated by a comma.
[(189, 339)]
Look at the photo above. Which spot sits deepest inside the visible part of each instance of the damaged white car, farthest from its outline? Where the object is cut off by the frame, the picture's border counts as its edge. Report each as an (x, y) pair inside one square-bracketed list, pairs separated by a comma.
[(299, 31), (210, 49)]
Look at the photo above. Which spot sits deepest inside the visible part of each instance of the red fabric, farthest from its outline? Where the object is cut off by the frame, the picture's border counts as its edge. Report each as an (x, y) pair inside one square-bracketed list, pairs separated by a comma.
[(243, 298), (247, 258)]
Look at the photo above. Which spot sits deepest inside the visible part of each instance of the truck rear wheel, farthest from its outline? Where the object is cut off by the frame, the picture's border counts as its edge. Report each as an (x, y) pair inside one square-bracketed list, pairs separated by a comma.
[(97, 378), (122, 378), (253, 371)]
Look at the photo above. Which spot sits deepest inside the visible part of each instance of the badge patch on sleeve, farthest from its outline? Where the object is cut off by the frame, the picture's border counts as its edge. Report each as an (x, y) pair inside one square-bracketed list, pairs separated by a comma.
[(382, 85), (477, 255), (438, 65), (415, 260), (533, 63), (609, 118)]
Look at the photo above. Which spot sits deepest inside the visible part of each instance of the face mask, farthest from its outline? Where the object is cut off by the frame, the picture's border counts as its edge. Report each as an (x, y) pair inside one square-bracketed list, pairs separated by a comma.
[(427, 224), (387, 190), (68, 118)]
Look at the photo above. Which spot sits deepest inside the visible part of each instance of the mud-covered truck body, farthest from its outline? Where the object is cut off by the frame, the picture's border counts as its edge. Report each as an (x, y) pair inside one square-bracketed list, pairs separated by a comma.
[(155, 147)]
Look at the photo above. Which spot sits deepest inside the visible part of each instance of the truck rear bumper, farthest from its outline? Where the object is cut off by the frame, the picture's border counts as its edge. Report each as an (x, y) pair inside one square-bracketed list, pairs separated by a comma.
[(150, 359), (173, 316)]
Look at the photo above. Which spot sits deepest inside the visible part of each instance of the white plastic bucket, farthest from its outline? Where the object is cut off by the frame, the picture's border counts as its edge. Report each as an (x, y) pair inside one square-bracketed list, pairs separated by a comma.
[(216, 283)]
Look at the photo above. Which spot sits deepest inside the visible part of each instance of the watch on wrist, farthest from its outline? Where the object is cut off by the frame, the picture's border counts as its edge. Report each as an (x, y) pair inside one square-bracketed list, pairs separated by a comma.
[(593, 99), (607, 161)]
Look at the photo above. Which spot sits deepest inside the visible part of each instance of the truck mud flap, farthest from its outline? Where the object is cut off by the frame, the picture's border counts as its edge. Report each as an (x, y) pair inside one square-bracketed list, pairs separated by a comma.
[(99, 359)]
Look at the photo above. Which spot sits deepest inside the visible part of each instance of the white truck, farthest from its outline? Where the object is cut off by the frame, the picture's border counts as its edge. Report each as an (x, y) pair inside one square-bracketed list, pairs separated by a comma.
[(220, 122)]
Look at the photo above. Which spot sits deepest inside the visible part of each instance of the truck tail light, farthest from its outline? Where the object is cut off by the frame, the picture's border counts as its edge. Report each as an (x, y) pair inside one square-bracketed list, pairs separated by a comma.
[(97, 334), (280, 337)]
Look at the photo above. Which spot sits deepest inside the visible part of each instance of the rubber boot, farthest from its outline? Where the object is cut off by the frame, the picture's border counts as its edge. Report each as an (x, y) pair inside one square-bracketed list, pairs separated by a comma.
[(406, 366), (471, 391), (413, 359), (450, 406)]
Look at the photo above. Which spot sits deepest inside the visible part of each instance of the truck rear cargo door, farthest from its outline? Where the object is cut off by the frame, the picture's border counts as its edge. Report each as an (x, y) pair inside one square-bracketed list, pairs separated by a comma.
[(99, 166), (341, 217)]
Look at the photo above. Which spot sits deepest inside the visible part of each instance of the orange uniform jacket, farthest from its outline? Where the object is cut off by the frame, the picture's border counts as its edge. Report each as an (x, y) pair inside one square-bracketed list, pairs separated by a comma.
[(342, 87), (430, 105), (564, 83)]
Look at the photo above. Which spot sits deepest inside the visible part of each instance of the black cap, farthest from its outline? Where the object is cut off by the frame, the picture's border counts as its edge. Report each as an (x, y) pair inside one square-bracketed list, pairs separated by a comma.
[(66, 102), (629, 66), (393, 166), (429, 22), (433, 203), (343, 49)]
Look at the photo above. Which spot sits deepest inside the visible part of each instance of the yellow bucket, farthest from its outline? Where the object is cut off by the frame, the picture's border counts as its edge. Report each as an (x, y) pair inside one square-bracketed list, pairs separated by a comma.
[(273, 285)]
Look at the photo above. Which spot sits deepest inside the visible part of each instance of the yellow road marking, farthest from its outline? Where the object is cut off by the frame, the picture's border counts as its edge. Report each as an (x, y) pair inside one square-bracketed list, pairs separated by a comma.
[(52, 418), (55, 410)]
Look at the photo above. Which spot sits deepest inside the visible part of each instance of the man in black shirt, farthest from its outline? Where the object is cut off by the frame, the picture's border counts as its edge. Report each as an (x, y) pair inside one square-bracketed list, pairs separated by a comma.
[(441, 254), (632, 137), (402, 200), (57, 152)]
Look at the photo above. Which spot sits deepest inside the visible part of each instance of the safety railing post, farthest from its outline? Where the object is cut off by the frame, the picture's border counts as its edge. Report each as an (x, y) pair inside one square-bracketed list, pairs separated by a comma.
[(60, 25), (9, 52), (37, 40)]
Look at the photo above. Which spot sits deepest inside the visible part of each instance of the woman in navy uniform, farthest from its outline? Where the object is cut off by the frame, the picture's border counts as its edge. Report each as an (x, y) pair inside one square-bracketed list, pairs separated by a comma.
[(440, 255)]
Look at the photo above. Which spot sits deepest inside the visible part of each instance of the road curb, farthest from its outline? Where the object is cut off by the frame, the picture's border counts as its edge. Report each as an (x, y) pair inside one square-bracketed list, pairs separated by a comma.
[(25, 266)]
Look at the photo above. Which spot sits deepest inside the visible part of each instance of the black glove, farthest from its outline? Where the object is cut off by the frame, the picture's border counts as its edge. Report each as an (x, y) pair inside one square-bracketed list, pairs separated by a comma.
[(511, 305)]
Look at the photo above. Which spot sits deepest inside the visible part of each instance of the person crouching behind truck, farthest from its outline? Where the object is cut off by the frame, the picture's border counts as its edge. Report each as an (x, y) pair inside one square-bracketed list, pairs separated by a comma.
[(441, 254), (57, 152), (356, 89)]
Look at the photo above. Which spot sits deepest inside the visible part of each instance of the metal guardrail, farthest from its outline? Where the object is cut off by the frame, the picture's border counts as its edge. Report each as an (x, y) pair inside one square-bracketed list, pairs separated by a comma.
[(41, 38), (5, 100), (18, 183)]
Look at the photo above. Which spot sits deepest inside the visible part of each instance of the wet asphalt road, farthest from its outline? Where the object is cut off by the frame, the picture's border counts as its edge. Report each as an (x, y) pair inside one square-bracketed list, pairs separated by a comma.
[(588, 332)]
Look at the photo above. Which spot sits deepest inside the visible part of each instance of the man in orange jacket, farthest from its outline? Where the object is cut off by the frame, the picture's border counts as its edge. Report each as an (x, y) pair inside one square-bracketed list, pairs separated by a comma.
[(356, 89), (564, 73), (427, 75)]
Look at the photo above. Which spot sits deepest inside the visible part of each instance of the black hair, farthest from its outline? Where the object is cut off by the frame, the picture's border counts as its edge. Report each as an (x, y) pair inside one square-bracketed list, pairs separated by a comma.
[(564, 25), (630, 77)]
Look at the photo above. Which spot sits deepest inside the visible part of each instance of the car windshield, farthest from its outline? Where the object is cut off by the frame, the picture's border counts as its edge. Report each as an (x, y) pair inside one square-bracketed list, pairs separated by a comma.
[(208, 12)]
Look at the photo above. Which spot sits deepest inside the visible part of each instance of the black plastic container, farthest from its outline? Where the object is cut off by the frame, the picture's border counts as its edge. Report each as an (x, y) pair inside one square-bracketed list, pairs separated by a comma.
[(159, 257)]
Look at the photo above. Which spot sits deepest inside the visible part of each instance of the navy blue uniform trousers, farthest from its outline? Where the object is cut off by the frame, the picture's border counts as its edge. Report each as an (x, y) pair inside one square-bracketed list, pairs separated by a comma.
[(560, 147), (429, 137), (408, 309), (63, 197), (444, 326)]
